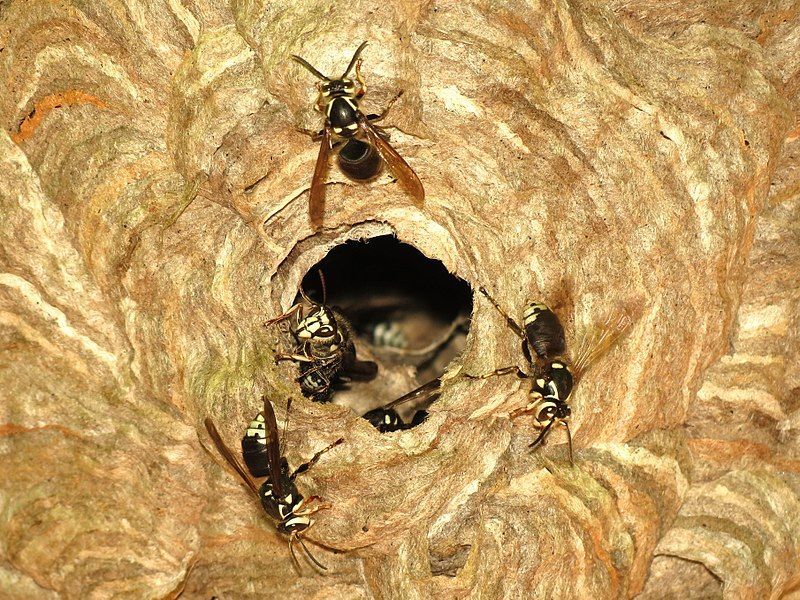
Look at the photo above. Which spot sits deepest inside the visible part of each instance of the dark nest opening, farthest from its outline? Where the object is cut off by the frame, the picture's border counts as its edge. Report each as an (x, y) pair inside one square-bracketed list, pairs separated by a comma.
[(408, 313)]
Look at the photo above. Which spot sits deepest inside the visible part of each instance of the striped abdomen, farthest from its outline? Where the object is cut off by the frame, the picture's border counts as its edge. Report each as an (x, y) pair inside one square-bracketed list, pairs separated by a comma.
[(543, 331), (254, 448)]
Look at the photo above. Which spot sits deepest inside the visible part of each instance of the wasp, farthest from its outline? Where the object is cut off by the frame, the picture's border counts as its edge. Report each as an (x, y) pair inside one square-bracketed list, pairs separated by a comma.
[(324, 348), (278, 494), (362, 146), (386, 418), (553, 376)]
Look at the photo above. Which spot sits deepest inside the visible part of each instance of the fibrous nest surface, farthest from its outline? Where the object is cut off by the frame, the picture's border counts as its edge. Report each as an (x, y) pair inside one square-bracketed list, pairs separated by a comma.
[(604, 157)]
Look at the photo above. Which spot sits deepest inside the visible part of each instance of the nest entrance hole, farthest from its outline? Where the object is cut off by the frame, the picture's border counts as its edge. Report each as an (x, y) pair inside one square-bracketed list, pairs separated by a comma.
[(407, 312)]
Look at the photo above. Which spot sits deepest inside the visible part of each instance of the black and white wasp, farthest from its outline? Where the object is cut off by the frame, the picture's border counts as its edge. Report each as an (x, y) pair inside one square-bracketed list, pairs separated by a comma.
[(362, 146), (553, 376), (278, 494), (386, 418), (324, 348)]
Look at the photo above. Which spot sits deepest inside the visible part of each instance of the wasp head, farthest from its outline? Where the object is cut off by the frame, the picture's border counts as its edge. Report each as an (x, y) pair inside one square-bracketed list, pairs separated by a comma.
[(318, 327), (338, 88), (549, 411)]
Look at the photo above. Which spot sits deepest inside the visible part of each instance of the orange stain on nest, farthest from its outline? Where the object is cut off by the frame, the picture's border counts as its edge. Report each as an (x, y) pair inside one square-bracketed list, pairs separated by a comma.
[(47, 104), (13, 429)]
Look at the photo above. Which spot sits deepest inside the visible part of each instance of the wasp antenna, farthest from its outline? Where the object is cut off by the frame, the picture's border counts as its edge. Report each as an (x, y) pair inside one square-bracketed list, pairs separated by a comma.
[(296, 562), (353, 60), (569, 441), (308, 553), (304, 296), (308, 66), (542, 435), (324, 287)]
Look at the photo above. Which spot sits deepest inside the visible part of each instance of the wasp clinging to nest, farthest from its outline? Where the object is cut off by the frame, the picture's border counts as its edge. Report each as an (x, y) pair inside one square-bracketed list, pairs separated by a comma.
[(553, 376), (279, 496), (362, 146), (324, 348)]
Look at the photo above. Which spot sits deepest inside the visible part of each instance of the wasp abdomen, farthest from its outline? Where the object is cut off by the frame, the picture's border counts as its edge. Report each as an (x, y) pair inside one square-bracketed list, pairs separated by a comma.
[(543, 330), (254, 448), (360, 161), (316, 381), (385, 420)]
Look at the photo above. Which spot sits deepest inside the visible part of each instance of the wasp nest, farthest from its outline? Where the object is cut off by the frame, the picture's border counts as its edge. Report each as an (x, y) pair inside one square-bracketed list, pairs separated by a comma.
[(601, 156)]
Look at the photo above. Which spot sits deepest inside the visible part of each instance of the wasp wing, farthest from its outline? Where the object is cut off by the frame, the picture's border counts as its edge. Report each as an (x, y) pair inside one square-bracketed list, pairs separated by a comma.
[(423, 392), (399, 167), (597, 341), (273, 447), (229, 456), (316, 201)]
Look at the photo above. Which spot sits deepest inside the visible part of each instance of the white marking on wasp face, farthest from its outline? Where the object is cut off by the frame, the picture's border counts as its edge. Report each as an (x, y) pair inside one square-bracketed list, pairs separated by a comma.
[(288, 499), (337, 130), (546, 412), (352, 126), (540, 383), (387, 419), (557, 365), (298, 521)]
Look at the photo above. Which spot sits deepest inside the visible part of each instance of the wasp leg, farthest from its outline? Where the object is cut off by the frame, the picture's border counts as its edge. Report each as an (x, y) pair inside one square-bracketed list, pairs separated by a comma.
[(530, 407), (360, 80), (292, 311), (293, 357), (307, 465), (511, 322), (380, 117), (314, 135), (504, 371), (302, 509)]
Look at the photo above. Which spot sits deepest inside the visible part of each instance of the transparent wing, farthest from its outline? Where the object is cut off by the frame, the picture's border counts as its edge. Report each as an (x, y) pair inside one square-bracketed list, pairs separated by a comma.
[(316, 201), (597, 341), (399, 167), (229, 456)]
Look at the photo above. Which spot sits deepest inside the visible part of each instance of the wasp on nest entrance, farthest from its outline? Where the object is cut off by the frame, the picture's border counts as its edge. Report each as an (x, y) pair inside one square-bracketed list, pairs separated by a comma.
[(405, 312)]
